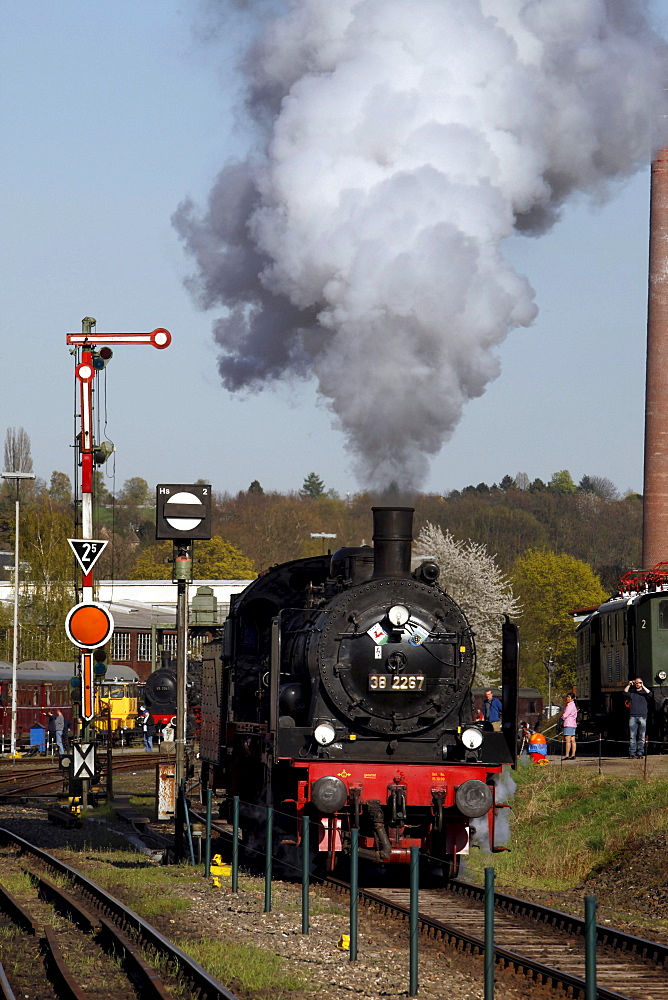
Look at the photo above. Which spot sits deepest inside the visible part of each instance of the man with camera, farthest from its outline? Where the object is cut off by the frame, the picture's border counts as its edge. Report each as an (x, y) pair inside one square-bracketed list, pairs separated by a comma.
[(638, 702)]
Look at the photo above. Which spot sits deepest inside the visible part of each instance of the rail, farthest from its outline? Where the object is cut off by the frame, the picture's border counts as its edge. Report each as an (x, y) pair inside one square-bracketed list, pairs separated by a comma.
[(631, 948), (200, 981)]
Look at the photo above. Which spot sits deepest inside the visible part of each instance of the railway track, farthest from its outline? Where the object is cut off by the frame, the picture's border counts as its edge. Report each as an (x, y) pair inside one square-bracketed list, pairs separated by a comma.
[(537, 941), (90, 946), (544, 944), (41, 780)]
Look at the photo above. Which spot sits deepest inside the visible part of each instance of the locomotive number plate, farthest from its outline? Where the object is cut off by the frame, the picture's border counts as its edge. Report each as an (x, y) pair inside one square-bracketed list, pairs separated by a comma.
[(396, 682)]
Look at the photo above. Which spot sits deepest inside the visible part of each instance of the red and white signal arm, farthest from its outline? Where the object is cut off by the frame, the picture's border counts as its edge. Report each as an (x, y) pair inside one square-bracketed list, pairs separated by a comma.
[(89, 625)]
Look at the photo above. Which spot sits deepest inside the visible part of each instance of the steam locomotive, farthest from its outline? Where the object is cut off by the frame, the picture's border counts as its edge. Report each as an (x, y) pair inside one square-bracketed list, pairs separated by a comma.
[(341, 691), (159, 694)]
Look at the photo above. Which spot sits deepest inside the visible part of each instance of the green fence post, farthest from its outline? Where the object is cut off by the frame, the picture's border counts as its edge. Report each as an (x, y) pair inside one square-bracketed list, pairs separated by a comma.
[(590, 947), (413, 958), (306, 871), (268, 858), (354, 886), (186, 814), (235, 844), (207, 842), (489, 934)]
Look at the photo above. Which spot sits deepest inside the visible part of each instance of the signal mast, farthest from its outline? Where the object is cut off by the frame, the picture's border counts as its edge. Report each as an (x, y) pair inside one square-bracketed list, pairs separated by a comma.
[(85, 625)]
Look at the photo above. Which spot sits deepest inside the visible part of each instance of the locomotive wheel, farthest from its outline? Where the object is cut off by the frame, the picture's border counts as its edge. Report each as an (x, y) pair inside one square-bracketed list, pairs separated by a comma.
[(446, 861)]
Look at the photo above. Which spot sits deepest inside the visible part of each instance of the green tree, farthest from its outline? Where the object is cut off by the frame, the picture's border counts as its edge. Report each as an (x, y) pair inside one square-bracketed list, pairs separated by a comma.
[(507, 483), (562, 483), (134, 491), (256, 488), (549, 586), (215, 559), (60, 488), (47, 582), (313, 487)]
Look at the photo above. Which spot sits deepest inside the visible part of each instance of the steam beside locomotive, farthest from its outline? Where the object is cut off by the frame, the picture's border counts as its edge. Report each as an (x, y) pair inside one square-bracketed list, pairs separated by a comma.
[(341, 691)]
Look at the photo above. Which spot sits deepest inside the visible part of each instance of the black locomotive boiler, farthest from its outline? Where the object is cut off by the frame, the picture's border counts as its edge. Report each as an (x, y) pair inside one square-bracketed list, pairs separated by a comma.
[(341, 691), (159, 693)]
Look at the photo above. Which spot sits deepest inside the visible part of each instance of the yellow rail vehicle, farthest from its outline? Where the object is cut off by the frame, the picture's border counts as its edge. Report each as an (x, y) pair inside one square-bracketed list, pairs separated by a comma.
[(117, 693)]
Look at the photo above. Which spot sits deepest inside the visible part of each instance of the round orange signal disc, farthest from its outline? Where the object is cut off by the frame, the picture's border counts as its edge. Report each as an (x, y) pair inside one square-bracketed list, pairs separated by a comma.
[(89, 625)]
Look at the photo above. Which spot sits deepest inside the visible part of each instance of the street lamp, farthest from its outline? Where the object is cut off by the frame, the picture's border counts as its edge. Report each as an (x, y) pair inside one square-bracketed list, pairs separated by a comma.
[(16, 476), (323, 535), (549, 666)]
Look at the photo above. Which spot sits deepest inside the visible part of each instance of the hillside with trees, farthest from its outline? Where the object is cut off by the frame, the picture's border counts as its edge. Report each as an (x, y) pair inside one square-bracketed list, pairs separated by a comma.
[(553, 545)]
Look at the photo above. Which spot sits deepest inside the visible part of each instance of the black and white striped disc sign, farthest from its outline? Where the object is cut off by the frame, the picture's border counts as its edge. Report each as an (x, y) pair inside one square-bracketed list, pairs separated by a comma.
[(183, 511)]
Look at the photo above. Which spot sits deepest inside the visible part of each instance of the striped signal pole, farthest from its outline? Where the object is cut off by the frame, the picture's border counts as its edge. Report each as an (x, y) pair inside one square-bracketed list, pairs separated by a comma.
[(92, 350)]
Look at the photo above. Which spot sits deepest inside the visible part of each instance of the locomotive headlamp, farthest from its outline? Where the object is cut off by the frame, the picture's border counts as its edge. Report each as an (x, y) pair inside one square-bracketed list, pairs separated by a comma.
[(398, 615), (473, 798), (329, 794), (324, 733), (661, 676), (472, 738)]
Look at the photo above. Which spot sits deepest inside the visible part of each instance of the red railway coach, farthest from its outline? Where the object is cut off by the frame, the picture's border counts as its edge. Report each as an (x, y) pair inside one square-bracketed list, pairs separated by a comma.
[(43, 686)]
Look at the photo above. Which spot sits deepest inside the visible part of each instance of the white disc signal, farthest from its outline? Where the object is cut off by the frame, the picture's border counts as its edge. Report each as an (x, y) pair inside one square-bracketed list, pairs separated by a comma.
[(184, 523)]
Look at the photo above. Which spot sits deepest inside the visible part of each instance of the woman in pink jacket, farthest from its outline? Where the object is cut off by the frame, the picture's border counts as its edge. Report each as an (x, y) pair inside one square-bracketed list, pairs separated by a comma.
[(569, 718)]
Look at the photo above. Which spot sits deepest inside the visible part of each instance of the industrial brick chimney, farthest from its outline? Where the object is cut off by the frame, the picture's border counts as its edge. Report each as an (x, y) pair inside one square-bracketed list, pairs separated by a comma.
[(655, 489)]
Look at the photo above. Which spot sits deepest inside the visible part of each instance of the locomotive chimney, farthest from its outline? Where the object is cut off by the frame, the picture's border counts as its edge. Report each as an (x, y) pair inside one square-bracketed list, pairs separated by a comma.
[(392, 538), (655, 488)]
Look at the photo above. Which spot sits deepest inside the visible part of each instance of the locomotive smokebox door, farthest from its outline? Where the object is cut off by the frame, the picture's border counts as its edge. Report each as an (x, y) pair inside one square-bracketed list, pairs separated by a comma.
[(182, 511)]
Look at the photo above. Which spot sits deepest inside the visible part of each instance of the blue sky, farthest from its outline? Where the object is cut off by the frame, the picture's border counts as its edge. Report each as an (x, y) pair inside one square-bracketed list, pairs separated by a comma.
[(113, 113)]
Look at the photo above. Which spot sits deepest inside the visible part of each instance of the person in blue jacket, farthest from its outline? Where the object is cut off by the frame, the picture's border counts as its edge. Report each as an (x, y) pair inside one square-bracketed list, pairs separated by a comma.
[(491, 710)]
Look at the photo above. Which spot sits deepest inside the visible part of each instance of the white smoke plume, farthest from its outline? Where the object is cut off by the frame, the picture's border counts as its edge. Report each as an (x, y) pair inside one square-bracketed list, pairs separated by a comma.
[(400, 142)]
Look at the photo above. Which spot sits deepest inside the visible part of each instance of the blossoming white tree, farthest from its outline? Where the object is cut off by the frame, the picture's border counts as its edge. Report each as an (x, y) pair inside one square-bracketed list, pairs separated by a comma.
[(471, 576)]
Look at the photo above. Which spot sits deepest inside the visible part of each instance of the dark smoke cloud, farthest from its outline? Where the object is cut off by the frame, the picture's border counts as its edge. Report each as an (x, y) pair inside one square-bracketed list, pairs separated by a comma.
[(401, 142)]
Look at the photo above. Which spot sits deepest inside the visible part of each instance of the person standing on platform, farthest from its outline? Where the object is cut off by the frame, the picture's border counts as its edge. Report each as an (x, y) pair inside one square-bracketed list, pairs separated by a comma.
[(491, 710), (147, 727), (569, 719), (59, 729), (638, 707)]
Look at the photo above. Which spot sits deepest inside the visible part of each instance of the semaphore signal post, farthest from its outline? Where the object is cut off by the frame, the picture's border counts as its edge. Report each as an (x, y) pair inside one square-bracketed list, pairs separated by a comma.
[(89, 625)]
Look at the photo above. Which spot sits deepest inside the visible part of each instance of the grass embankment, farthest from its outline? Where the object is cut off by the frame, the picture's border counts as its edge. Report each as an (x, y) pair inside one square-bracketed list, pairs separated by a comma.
[(568, 825)]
